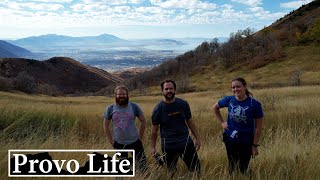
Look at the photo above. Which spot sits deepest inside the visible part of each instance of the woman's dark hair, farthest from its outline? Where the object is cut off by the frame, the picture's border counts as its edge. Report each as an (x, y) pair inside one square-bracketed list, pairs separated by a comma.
[(168, 81), (244, 83)]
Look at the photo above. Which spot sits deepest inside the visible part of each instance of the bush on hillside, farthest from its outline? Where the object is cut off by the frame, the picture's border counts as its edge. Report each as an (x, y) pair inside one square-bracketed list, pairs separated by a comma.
[(25, 83), (47, 89), (5, 84), (312, 34)]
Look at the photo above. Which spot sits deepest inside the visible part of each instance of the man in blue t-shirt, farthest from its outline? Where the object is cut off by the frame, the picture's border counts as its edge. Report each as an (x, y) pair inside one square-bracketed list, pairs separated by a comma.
[(124, 131), (173, 115)]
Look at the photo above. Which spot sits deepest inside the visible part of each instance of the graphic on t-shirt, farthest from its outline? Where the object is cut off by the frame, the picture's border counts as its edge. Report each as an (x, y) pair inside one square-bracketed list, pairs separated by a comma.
[(121, 119), (174, 114), (238, 113)]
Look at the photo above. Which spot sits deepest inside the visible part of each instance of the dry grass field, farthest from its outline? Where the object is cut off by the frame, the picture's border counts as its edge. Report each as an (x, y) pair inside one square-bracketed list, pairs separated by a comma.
[(290, 145)]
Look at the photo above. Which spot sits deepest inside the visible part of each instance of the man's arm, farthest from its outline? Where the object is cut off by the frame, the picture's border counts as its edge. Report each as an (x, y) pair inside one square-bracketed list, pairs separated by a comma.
[(107, 131), (142, 126), (195, 133), (154, 135)]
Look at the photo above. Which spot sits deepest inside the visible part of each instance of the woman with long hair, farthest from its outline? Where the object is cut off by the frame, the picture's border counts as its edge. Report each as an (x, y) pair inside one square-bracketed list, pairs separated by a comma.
[(243, 127)]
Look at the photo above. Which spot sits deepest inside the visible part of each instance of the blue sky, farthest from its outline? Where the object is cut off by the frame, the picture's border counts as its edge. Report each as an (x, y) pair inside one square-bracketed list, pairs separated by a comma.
[(138, 19)]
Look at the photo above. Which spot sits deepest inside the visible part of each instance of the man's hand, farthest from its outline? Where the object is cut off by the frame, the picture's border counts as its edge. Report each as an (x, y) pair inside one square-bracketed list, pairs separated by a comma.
[(153, 151), (197, 144), (111, 142), (255, 151)]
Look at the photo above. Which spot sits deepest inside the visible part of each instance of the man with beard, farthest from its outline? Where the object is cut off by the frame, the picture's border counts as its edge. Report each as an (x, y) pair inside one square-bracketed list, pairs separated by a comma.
[(124, 131), (173, 115)]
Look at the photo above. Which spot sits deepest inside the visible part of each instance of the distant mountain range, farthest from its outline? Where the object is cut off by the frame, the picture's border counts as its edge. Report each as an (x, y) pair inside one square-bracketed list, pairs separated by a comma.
[(8, 50), (159, 41), (54, 40)]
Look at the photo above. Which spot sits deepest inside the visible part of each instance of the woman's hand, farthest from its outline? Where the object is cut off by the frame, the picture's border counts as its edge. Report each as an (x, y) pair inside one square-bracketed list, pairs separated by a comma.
[(224, 125), (255, 151)]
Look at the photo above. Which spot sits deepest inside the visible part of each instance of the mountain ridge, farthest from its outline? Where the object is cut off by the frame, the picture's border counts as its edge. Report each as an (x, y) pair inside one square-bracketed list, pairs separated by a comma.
[(54, 40), (55, 76), (8, 50)]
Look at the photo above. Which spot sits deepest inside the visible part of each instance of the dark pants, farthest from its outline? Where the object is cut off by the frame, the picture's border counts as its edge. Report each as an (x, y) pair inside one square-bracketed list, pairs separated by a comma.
[(188, 155), (140, 156), (239, 154)]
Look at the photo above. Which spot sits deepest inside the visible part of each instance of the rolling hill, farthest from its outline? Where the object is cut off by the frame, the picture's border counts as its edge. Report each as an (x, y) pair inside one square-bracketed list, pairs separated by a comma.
[(55, 76)]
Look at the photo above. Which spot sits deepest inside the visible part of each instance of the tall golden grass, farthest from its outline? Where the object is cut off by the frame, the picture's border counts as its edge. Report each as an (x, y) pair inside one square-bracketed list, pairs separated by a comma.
[(290, 145)]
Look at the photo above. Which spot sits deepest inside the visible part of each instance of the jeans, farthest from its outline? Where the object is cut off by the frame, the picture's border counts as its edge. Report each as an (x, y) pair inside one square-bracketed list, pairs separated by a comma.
[(239, 154), (188, 154)]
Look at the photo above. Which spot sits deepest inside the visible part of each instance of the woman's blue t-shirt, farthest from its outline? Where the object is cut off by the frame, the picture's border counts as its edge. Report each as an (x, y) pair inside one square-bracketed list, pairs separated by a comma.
[(241, 118)]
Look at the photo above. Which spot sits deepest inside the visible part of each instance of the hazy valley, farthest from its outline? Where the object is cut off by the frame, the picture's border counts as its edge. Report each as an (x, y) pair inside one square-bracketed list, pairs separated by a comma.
[(106, 51)]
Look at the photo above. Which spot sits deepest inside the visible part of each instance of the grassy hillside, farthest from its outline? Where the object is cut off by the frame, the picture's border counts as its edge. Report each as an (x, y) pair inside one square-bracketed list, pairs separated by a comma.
[(303, 60), (289, 145), (299, 66)]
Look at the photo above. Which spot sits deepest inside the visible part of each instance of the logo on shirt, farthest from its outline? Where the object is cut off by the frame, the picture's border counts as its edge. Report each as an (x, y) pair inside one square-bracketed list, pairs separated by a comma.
[(174, 114), (238, 113), (121, 119)]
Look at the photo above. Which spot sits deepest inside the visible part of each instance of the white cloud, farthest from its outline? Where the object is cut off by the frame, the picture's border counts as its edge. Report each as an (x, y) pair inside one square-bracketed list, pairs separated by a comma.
[(150, 10), (113, 2), (260, 13), (229, 14), (266, 15), (121, 9), (256, 9), (227, 6), (34, 6), (53, 1), (194, 11), (44, 7), (42, 1), (94, 7), (13, 5), (184, 4), (77, 7), (252, 3), (13, 13), (135, 1), (99, 13), (294, 4), (4, 2)]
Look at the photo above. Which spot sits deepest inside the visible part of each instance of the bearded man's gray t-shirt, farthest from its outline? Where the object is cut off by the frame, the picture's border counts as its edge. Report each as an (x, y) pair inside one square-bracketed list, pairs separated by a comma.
[(123, 122)]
